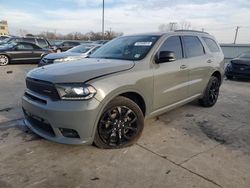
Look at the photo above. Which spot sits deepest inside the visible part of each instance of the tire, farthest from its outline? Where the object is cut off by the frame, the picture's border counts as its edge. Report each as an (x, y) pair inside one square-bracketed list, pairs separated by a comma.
[(4, 60), (58, 50), (211, 93), (229, 77), (120, 125)]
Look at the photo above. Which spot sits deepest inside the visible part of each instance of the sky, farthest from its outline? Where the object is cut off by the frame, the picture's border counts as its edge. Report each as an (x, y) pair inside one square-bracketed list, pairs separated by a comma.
[(218, 17)]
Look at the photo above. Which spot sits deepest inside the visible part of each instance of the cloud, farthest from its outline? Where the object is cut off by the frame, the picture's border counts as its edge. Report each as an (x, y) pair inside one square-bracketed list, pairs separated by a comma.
[(219, 17)]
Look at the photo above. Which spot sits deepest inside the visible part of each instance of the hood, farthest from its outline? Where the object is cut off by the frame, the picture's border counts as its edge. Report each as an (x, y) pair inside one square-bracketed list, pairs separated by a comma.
[(241, 61), (79, 71), (61, 55)]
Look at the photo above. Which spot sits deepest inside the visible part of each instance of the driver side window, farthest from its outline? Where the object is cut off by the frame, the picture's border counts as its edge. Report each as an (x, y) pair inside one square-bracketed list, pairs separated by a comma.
[(173, 44), (24, 47)]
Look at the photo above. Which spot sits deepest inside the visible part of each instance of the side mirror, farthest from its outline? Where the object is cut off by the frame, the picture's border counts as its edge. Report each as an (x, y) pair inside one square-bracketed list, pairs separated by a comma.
[(165, 56)]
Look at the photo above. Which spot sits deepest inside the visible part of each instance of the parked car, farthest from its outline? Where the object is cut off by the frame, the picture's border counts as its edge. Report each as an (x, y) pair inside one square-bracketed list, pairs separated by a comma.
[(64, 46), (104, 98), (239, 67), (41, 42), (75, 53), (19, 52)]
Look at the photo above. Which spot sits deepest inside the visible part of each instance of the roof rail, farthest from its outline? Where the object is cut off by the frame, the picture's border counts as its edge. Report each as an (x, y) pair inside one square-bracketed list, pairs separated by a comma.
[(186, 30)]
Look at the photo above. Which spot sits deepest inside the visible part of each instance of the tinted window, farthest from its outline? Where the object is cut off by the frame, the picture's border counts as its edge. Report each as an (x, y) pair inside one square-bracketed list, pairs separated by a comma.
[(42, 43), (193, 46), (24, 47), (31, 40), (211, 44), (173, 44)]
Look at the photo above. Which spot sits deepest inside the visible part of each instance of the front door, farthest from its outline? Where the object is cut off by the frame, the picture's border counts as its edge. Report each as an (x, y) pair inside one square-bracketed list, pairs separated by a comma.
[(171, 78)]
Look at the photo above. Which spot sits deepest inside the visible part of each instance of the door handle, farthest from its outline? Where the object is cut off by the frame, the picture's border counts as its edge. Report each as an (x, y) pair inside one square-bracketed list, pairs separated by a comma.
[(183, 66), (209, 61)]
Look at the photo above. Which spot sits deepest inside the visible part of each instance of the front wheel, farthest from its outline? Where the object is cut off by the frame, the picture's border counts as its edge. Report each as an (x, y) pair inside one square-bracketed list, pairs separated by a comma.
[(211, 93), (4, 60), (120, 125)]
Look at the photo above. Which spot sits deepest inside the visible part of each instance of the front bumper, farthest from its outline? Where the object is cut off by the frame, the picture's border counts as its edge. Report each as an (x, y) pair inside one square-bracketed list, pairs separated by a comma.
[(47, 118)]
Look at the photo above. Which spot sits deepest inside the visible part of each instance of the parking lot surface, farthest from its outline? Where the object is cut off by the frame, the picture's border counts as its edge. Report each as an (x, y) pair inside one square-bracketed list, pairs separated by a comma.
[(187, 147)]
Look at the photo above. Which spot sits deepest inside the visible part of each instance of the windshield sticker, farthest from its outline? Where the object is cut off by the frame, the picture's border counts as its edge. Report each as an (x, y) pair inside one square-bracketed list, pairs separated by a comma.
[(143, 43), (137, 56)]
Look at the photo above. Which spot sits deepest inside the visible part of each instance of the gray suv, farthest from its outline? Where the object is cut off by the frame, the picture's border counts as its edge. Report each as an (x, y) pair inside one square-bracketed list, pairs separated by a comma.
[(104, 99)]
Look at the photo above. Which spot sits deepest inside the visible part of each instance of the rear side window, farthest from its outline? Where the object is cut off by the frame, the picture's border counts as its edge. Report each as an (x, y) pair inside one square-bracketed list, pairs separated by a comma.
[(24, 47), (42, 43), (31, 40), (173, 44), (211, 44), (193, 46)]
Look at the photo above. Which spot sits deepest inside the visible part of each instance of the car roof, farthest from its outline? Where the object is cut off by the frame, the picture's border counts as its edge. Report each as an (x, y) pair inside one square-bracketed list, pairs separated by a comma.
[(193, 32)]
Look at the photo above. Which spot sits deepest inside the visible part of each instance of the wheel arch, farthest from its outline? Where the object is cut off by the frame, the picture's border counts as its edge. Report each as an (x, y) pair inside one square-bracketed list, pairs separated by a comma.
[(137, 98), (217, 74)]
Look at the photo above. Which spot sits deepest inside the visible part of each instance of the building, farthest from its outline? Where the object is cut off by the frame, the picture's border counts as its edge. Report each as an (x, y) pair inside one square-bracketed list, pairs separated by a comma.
[(233, 50), (4, 30)]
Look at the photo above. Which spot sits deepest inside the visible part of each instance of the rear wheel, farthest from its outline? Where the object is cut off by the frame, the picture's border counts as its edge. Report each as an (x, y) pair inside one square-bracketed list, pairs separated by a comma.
[(4, 60), (211, 93), (120, 125)]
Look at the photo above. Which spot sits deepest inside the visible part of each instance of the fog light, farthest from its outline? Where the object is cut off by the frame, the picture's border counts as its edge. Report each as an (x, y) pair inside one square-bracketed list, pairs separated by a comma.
[(70, 133)]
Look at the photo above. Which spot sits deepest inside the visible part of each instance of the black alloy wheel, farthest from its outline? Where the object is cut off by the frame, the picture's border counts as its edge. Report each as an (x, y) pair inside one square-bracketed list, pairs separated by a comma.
[(120, 125), (211, 93)]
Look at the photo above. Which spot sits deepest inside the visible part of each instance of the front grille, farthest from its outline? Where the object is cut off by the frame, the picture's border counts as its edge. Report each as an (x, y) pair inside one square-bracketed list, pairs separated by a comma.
[(43, 88), (39, 123)]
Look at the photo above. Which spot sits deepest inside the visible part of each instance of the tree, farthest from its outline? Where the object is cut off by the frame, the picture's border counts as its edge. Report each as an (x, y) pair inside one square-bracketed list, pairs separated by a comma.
[(185, 25)]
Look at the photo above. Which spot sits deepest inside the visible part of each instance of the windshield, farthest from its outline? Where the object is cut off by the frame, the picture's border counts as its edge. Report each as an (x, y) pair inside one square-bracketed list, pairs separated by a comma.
[(126, 48), (245, 55), (81, 49)]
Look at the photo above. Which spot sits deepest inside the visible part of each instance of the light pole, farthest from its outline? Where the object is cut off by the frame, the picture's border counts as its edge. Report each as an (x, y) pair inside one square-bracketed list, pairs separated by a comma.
[(103, 19), (236, 34)]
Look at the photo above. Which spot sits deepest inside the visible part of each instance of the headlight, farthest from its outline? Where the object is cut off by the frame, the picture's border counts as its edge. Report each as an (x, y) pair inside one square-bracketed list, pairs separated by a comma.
[(75, 91), (71, 58)]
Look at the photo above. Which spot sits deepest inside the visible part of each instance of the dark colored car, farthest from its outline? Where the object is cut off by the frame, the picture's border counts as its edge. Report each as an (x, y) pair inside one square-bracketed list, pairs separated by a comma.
[(64, 46), (75, 53), (17, 52), (43, 43), (239, 67)]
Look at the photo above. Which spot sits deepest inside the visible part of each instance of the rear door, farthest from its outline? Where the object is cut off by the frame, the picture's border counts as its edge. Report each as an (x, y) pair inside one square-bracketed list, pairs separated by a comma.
[(198, 64), (171, 78)]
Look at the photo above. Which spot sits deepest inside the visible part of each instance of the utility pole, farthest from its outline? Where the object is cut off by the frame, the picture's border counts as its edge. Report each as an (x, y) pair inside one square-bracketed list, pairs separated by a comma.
[(172, 24), (103, 19), (236, 34)]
